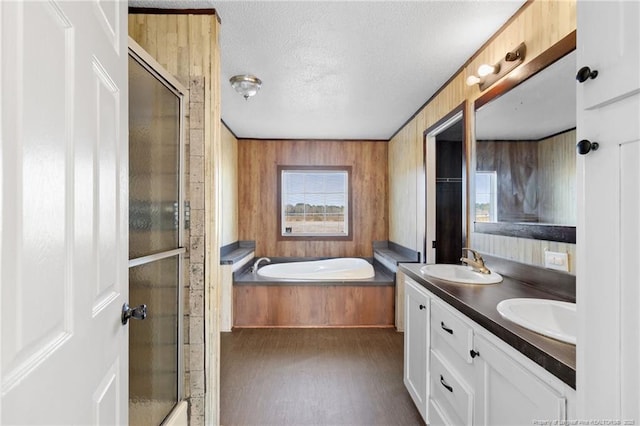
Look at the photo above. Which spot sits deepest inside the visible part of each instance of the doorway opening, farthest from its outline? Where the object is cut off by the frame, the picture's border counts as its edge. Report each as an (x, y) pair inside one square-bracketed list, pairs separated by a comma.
[(445, 189)]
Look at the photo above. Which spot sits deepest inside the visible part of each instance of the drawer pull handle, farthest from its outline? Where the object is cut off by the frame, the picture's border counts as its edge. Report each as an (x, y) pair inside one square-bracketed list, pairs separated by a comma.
[(474, 353), (422, 307), (447, 387), (444, 327)]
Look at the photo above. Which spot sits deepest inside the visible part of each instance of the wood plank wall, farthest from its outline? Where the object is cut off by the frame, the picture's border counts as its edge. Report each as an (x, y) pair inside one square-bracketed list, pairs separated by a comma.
[(229, 187), (258, 203), (540, 24), (187, 46), (557, 179), (516, 165)]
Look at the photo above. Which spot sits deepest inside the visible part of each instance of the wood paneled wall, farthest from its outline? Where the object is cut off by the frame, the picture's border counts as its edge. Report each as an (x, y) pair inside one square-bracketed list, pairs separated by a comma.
[(229, 188), (540, 24), (557, 179), (187, 46), (516, 166), (405, 174), (258, 202), (536, 179)]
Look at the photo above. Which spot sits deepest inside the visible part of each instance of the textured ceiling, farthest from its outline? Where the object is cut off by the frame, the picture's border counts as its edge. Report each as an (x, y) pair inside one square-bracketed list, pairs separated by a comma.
[(342, 70)]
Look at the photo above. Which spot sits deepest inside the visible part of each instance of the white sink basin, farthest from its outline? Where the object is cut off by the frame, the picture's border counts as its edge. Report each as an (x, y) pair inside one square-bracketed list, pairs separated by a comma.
[(550, 318), (460, 274)]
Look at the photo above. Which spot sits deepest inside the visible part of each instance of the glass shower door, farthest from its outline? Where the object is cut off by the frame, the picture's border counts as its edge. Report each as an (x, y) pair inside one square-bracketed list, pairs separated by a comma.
[(155, 243)]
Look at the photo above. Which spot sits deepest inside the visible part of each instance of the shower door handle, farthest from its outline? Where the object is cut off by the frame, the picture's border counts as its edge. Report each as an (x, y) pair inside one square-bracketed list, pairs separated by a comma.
[(139, 313)]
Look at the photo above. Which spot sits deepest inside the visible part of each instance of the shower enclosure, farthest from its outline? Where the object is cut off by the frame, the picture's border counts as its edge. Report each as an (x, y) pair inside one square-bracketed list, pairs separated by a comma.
[(156, 217)]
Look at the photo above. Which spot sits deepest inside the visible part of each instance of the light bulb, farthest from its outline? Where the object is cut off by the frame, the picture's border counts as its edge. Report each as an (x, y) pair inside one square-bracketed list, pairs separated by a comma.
[(484, 70), (472, 79)]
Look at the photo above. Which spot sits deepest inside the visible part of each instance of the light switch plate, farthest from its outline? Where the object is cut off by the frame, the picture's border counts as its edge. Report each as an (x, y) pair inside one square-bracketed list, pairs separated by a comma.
[(556, 260)]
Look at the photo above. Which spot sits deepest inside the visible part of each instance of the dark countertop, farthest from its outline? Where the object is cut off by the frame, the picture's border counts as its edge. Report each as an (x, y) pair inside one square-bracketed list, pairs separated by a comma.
[(479, 302), (235, 256), (394, 253), (235, 252)]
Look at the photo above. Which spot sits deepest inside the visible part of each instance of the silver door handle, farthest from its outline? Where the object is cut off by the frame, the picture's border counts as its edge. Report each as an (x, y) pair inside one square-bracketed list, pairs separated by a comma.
[(139, 313)]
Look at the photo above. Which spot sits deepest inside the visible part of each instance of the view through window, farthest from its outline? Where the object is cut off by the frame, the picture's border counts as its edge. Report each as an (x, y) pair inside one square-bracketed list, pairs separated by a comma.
[(486, 198), (314, 202)]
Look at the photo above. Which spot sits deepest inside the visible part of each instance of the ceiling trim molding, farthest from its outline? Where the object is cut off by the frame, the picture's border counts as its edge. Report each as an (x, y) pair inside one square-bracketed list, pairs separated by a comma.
[(229, 129)]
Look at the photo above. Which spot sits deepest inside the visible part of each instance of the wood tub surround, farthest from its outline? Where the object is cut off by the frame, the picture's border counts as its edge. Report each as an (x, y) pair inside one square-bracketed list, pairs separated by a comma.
[(310, 305), (264, 302)]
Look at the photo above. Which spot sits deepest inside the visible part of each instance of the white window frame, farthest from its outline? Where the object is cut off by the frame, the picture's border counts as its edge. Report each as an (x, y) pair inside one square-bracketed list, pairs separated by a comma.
[(493, 195)]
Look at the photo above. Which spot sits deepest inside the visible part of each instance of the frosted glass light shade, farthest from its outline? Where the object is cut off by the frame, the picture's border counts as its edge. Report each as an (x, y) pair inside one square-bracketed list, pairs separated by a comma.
[(247, 85)]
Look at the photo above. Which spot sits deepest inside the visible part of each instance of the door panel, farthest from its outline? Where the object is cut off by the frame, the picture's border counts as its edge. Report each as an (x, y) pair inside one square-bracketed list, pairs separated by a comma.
[(154, 342), (155, 236), (154, 164), (63, 202), (611, 48), (608, 108), (630, 277)]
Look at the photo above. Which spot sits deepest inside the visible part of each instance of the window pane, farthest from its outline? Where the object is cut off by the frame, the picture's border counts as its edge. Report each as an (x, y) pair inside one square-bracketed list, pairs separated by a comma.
[(486, 190), (314, 203), (336, 182), (314, 183), (294, 183)]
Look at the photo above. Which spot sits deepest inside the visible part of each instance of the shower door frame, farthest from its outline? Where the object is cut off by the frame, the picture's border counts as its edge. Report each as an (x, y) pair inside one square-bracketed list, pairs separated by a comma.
[(137, 53)]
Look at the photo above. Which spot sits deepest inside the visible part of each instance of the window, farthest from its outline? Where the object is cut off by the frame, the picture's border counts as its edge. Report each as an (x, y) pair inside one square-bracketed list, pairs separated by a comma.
[(314, 202), (486, 197)]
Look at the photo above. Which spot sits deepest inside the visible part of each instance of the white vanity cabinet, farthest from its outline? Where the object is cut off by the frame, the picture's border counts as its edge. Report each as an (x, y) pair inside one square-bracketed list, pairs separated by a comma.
[(458, 373), (509, 393), (416, 344)]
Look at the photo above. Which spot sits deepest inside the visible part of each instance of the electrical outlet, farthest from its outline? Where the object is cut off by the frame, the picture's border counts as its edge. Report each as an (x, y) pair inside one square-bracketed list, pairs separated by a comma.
[(556, 260)]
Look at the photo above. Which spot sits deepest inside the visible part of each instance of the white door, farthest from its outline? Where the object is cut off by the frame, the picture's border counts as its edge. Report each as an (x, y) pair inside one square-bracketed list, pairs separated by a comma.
[(608, 229), (64, 212), (416, 345)]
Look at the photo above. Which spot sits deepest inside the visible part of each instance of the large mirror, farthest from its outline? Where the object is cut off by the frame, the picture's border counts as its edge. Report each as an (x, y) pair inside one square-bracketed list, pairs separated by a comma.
[(525, 179)]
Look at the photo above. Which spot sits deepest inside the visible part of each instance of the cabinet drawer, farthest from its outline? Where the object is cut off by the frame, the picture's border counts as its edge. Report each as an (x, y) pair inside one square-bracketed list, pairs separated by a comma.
[(452, 330), (444, 350), (450, 392)]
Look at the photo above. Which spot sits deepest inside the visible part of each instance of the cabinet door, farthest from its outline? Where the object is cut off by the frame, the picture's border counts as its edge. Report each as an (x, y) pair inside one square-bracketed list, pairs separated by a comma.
[(608, 34), (508, 394), (416, 345), (608, 350)]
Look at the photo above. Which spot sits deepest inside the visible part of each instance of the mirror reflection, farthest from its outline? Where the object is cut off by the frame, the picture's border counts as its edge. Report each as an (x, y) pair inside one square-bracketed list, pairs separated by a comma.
[(525, 151)]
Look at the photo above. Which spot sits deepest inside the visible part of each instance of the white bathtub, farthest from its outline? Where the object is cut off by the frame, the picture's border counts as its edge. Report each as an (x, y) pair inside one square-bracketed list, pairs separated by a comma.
[(339, 269)]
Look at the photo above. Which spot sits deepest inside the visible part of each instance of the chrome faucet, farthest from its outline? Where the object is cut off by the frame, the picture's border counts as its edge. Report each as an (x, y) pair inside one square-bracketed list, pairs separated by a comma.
[(256, 265), (477, 263)]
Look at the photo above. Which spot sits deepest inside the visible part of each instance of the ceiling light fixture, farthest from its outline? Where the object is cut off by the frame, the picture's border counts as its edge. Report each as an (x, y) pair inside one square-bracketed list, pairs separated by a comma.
[(489, 74), (246, 84)]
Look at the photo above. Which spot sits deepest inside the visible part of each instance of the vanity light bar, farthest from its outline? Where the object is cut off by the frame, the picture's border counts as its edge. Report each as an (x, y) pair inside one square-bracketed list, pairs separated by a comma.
[(489, 74)]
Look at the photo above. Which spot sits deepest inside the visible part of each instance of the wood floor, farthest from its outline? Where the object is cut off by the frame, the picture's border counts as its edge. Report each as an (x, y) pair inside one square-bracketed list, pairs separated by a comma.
[(314, 377)]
